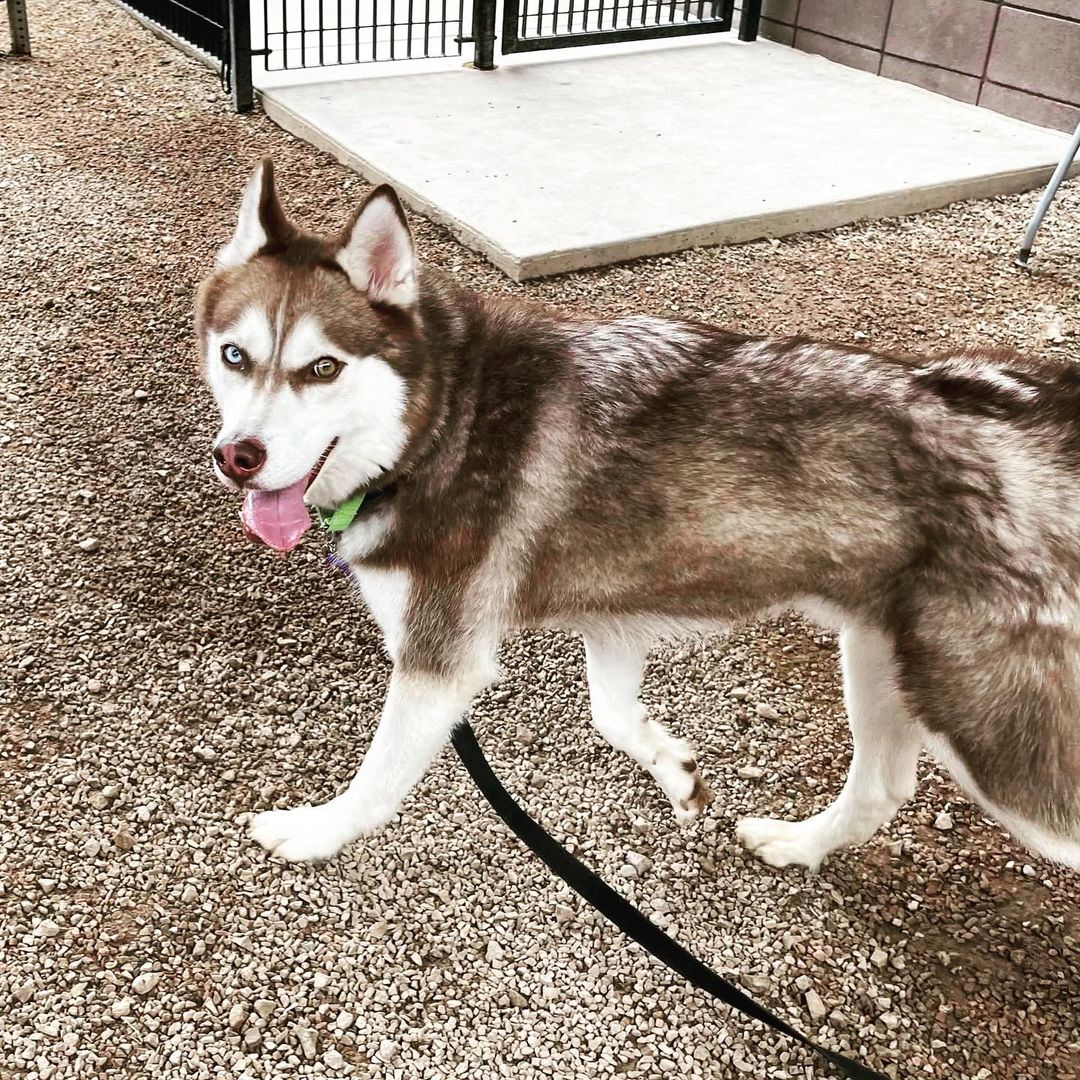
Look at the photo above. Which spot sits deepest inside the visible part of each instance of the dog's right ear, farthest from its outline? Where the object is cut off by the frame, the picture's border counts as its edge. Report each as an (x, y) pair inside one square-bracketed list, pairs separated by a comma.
[(261, 218)]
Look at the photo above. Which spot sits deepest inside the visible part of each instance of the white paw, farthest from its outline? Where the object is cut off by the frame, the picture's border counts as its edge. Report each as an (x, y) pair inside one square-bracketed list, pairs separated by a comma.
[(686, 816), (782, 843), (303, 834), (676, 771)]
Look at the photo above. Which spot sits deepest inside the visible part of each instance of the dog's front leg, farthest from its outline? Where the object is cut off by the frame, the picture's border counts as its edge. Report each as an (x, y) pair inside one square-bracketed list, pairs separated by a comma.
[(417, 718)]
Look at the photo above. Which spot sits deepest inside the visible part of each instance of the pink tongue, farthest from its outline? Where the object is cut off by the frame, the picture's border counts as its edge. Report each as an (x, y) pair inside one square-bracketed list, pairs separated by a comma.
[(277, 518)]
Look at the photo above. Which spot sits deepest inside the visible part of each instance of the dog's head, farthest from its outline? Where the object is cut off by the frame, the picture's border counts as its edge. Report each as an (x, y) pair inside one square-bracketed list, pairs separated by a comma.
[(309, 347)]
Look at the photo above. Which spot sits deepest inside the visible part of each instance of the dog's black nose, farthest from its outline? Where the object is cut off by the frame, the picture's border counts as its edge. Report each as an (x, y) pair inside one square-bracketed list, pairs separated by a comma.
[(240, 460)]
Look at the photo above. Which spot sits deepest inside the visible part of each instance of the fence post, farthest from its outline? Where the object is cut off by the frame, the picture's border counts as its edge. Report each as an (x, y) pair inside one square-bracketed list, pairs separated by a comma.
[(239, 58), (749, 20), (20, 29), (484, 34)]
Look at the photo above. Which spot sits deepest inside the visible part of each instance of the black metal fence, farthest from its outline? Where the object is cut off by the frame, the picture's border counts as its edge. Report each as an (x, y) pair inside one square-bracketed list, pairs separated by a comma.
[(219, 28), (326, 33), (202, 23), (557, 24)]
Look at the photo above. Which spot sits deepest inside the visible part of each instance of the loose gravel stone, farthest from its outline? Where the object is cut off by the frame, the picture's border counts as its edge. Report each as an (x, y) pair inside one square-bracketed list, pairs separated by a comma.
[(146, 983), (815, 1006), (758, 984), (309, 1042), (123, 840)]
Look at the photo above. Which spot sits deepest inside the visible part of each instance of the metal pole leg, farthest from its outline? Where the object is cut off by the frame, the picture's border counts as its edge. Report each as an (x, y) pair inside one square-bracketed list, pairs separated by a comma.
[(240, 54), (20, 28), (484, 35), (1048, 197), (750, 19)]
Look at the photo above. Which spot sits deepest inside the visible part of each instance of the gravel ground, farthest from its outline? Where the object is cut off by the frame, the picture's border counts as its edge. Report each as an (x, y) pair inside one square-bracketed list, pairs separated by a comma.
[(171, 680)]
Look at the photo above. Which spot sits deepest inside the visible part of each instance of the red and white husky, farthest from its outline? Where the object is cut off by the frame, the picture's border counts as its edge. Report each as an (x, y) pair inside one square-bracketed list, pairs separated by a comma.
[(639, 478)]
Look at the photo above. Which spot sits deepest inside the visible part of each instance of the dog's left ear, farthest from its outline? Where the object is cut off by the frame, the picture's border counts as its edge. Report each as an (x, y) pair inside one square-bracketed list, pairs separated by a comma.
[(377, 251), (260, 221)]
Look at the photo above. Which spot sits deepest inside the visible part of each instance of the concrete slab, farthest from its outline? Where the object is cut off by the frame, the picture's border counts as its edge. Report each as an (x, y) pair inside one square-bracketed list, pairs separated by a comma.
[(552, 165)]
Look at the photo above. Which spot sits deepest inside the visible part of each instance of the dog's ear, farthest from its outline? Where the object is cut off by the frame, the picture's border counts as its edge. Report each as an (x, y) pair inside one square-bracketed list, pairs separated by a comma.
[(261, 218), (377, 251)]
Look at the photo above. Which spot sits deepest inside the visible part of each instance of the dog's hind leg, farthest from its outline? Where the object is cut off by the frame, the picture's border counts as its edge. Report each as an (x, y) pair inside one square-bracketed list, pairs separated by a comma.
[(615, 667), (882, 774)]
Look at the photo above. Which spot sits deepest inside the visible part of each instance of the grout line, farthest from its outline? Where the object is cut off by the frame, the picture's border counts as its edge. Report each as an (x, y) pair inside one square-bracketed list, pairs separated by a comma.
[(989, 49), (1034, 94), (843, 41), (885, 35), (930, 64)]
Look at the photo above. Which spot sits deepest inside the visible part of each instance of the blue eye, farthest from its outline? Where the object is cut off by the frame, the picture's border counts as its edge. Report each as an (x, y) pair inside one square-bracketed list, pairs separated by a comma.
[(232, 355)]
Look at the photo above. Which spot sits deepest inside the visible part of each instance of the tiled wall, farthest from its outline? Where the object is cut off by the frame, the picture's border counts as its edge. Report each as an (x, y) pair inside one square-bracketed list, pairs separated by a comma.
[(1020, 57)]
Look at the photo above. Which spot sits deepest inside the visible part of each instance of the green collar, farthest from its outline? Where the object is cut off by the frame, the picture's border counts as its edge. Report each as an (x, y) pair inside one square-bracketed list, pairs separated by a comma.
[(341, 517)]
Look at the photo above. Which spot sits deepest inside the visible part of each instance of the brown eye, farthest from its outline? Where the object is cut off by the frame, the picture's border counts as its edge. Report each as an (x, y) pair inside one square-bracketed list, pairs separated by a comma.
[(325, 368)]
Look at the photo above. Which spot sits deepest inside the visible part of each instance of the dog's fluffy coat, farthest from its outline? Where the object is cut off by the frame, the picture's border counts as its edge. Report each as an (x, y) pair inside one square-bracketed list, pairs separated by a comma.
[(641, 478)]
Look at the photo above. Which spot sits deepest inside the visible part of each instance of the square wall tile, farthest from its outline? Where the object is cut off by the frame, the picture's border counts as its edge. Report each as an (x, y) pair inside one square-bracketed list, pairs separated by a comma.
[(953, 34), (861, 22), (1037, 52), (776, 31), (950, 83), (842, 52), (1035, 110), (780, 10), (1067, 9)]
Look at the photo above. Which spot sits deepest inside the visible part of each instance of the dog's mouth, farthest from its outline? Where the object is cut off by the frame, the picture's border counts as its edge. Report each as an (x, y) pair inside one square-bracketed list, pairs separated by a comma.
[(280, 518)]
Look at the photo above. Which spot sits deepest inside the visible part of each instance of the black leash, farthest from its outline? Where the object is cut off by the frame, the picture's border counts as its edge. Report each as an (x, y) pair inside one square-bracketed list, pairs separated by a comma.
[(621, 912)]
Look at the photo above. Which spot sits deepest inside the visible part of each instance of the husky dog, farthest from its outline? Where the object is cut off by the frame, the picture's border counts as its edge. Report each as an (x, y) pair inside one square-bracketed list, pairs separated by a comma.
[(639, 478)]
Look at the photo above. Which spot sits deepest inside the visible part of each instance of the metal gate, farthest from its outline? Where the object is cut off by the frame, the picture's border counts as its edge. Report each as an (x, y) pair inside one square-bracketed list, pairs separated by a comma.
[(531, 25), (325, 33), (528, 25)]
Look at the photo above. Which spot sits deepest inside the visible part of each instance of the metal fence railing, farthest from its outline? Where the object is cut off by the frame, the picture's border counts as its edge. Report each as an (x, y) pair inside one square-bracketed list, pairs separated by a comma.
[(296, 34), (202, 23), (219, 29), (326, 33), (554, 24)]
